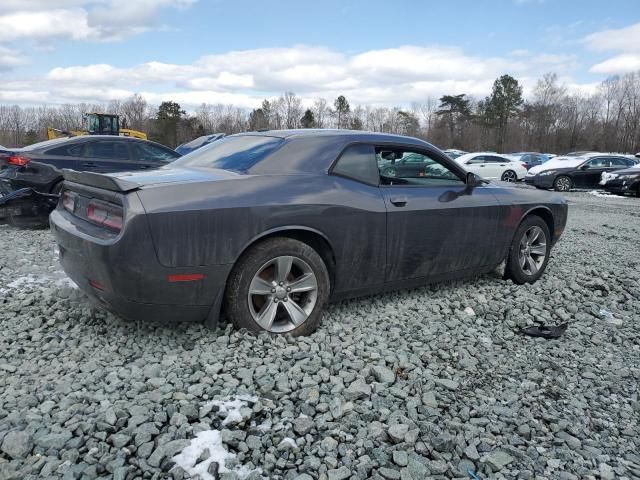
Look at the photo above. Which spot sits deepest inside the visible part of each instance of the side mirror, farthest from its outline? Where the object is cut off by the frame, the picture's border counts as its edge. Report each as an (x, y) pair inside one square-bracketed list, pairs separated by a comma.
[(584, 167), (473, 180)]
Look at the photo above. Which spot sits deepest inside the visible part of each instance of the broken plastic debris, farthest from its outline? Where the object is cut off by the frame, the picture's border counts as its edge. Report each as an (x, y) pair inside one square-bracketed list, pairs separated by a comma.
[(545, 331)]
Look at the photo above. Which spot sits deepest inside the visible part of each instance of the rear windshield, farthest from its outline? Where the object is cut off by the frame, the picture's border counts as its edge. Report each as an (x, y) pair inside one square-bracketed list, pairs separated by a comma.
[(232, 153)]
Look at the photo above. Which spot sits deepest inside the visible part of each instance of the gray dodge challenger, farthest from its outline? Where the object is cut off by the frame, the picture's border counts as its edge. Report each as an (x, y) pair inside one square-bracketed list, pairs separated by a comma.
[(269, 227)]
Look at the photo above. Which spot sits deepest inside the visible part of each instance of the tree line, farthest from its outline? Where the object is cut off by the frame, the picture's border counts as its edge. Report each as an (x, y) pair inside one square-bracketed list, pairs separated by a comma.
[(553, 119)]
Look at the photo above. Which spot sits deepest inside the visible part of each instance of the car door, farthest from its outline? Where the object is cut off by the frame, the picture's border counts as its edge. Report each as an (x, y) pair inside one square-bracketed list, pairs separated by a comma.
[(476, 165), (147, 155), (436, 225), (495, 166), (588, 174), (106, 155)]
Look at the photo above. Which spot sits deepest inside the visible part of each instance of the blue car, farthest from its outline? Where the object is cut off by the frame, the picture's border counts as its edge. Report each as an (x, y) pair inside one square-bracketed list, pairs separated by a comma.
[(198, 142)]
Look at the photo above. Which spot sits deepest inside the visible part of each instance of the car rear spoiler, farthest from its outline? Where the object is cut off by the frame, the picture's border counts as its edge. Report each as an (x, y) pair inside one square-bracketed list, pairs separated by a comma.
[(106, 182)]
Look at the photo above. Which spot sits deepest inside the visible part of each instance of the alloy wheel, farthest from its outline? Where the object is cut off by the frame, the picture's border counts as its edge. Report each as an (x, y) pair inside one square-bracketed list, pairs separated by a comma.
[(563, 184), (509, 176), (282, 294), (533, 250)]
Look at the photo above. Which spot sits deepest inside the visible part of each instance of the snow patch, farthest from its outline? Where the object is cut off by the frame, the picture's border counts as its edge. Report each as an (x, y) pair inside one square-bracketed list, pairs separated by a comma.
[(57, 279), (207, 440), (211, 440), (232, 407), (598, 193)]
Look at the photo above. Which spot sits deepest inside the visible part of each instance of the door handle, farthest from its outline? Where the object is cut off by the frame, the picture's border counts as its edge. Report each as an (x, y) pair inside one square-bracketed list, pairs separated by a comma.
[(89, 164), (398, 201), (481, 166)]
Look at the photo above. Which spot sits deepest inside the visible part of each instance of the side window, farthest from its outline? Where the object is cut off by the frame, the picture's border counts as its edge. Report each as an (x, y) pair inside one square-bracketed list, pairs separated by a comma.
[(398, 166), (148, 152), (74, 150), (492, 159), (618, 162), (106, 149), (358, 162), (476, 160)]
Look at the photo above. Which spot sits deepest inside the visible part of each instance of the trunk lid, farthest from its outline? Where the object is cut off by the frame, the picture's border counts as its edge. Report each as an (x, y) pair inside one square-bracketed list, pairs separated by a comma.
[(128, 181)]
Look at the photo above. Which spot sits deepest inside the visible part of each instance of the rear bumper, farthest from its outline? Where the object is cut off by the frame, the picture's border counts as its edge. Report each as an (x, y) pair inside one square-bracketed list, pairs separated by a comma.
[(124, 276)]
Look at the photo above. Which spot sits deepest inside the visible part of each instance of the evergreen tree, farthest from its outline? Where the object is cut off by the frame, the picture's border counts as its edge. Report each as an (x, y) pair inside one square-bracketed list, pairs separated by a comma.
[(504, 103), (307, 120), (342, 109), (455, 110), (166, 123), (258, 120)]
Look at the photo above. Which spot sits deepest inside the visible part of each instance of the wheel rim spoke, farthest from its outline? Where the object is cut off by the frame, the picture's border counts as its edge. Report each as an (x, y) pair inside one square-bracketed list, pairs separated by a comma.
[(533, 268), (260, 286), (296, 313), (267, 315), (282, 268), (305, 283), (539, 249)]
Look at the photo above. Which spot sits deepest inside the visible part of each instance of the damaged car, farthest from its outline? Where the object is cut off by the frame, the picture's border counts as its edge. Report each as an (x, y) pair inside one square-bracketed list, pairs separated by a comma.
[(268, 227), (622, 182), (38, 167)]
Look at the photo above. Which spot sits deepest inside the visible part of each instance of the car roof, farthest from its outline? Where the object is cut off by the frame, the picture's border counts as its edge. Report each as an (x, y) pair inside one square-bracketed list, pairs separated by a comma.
[(360, 135)]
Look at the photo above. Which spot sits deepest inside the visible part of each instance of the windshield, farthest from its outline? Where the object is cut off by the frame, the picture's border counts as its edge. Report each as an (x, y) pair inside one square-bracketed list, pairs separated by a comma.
[(232, 153)]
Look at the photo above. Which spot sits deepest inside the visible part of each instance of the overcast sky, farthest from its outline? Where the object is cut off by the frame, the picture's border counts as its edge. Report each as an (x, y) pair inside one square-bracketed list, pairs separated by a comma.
[(374, 52)]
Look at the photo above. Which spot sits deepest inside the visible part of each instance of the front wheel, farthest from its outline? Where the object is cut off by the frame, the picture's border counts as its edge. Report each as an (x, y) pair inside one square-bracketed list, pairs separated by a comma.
[(279, 286), (529, 252), (562, 183), (509, 176)]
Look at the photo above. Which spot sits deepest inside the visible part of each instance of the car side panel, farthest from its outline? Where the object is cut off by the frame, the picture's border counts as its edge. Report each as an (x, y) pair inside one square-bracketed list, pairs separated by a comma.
[(222, 218)]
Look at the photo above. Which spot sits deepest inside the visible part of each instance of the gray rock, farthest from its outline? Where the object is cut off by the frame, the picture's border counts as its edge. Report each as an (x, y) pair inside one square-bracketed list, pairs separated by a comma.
[(389, 473), (357, 389), (446, 383), (329, 444), (168, 449), (443, 443), (400, 458), (303, 425), (17, 444), (397, 432), (54, 440), (341, 473), (498, 459), (383, 374)]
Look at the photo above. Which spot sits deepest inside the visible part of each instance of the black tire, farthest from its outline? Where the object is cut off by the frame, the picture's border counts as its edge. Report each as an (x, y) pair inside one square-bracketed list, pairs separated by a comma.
[(513, 269), (560, 182), (57, 188), (237, 291)]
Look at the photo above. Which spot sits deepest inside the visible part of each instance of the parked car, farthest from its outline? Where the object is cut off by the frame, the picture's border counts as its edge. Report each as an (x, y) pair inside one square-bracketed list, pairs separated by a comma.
[(198, 143), (493, 166), (40, 165), (270, 226), (530, 159), (622, 182), (564, 173), (453, 153)]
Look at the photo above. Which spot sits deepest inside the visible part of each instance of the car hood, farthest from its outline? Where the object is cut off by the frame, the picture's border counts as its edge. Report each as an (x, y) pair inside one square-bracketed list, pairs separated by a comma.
[(557, 163), (164, 175), (628, 171)]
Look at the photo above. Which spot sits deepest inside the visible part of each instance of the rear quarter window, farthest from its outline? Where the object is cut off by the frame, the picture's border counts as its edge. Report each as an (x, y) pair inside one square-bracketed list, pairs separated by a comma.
[(358, 162), (237, 154)]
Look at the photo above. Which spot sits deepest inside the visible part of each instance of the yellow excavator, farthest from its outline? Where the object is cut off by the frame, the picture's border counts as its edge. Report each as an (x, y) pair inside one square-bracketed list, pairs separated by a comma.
[(97, 124)]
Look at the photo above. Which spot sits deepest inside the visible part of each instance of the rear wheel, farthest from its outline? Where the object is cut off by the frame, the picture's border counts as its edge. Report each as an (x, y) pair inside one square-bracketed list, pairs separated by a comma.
[(562, 184), (279, 286), (57, 188), (529, 253), (509, 176)]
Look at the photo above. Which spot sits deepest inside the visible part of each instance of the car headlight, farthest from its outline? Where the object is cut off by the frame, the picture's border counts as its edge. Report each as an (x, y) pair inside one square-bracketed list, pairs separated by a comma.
[(546, 172)]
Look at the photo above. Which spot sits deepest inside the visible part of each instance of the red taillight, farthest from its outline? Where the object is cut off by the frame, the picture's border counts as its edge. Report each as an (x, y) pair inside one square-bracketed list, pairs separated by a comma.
[(525, 166), (18, 160), (185, 277), (96, 285), (69, 202), (105, 214)]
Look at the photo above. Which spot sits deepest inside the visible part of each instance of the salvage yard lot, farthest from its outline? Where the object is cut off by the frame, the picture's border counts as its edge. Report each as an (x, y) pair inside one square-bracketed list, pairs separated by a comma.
[(424, 383)]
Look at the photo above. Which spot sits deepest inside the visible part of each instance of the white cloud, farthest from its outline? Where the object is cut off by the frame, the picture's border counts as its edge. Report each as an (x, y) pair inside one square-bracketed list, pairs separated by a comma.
[(10, 58), (620, 64), (625, 40), (391, 76)]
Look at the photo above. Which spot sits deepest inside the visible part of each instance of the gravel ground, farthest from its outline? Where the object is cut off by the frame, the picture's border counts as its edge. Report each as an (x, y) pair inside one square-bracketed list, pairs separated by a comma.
[(428, 383)]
